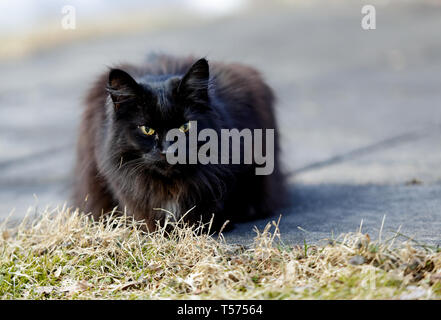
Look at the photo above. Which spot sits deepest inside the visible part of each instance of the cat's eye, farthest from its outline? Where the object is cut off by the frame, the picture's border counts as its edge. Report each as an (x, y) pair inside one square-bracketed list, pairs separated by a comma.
[(185, 127), (146, 130)]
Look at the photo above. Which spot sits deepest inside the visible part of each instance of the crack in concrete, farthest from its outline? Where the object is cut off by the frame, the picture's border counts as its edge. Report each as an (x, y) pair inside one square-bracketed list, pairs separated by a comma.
[(372, 148), (33, 156)]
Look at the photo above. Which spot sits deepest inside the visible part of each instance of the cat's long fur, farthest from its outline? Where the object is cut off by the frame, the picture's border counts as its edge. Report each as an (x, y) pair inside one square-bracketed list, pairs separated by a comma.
[(109, 172)]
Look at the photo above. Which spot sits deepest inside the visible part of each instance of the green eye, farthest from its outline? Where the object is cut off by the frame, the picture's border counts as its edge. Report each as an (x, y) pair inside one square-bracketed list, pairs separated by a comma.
[(146, 130), (185, 127)]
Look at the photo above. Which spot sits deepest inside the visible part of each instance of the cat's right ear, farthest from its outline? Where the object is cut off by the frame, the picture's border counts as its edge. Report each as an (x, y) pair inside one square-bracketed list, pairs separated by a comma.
[(121, 87)]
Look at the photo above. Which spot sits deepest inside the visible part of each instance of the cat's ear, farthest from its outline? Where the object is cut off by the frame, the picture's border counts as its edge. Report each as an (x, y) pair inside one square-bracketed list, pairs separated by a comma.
[(121, 87), (194, 84)]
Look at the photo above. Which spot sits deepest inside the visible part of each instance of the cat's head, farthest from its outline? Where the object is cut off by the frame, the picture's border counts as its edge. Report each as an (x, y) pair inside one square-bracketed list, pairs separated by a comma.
[(144, 109)]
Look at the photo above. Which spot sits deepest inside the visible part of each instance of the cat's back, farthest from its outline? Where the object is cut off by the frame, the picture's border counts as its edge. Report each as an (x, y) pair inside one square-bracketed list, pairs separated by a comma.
[(234, 80), (238, 88)]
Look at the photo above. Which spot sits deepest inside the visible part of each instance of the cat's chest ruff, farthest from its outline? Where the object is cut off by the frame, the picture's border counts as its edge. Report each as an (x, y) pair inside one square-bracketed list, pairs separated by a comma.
[(171, 208)]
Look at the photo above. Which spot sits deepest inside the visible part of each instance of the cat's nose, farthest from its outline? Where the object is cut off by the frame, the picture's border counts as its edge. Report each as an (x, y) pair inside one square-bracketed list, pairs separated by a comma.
[(164, 149), (163, 154)]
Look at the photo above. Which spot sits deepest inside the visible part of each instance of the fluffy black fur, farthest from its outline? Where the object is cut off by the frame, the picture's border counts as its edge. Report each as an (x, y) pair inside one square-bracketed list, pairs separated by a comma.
[(119, 166)]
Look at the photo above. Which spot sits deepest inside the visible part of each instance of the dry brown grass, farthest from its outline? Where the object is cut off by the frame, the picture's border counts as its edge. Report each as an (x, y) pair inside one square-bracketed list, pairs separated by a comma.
[(64, 255)]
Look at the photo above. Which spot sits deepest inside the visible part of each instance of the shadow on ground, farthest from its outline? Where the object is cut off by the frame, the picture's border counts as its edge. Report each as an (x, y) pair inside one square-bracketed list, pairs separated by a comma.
[(324, 211)]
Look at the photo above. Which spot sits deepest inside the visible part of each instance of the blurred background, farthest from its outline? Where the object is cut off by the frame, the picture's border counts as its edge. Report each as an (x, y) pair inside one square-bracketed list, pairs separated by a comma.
[(359, 110)]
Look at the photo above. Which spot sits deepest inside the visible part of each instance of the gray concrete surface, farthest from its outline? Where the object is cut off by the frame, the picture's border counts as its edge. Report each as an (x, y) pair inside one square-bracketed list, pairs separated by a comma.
[(359, 111)]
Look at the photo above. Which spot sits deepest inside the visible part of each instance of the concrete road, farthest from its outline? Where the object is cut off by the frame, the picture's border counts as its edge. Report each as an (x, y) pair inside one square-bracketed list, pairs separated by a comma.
[(359, 111)]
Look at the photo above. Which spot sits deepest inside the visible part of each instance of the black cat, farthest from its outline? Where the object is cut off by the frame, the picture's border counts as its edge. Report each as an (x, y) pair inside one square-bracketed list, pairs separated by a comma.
[(121, 148)]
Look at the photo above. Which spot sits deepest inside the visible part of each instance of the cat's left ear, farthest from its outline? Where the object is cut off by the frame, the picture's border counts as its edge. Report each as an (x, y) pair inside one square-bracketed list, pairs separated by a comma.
[(122, 88), (194, 84)]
